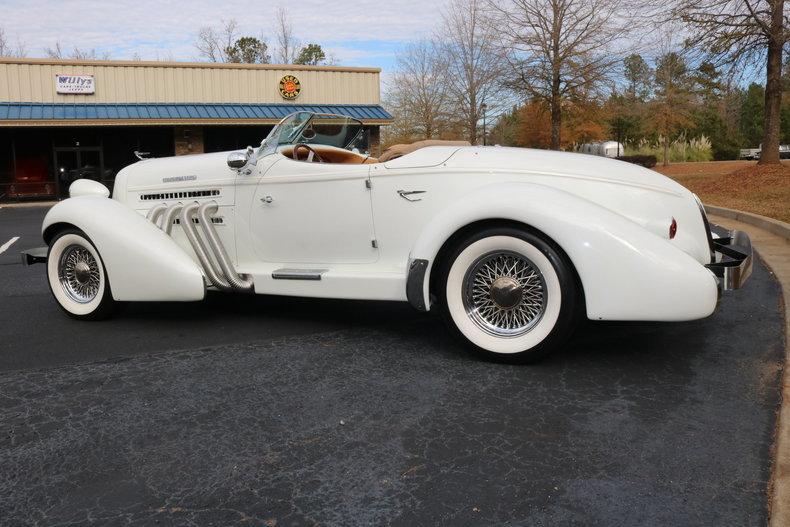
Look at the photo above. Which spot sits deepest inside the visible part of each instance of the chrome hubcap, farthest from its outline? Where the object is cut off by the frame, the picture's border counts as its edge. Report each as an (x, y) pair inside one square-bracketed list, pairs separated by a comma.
[(79, 274), (82, 272), (504, 293)]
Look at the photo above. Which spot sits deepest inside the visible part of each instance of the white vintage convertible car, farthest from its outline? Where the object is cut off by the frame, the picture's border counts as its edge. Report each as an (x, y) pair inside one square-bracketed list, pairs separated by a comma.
[(511, 245)]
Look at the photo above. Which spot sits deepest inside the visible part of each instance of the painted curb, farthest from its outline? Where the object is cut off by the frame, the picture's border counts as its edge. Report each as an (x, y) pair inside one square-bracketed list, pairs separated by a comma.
[(775, 258), (771, 225)]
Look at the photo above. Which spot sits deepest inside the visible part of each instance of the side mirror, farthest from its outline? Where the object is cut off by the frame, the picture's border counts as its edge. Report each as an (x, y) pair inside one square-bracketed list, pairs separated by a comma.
[(238, 160)]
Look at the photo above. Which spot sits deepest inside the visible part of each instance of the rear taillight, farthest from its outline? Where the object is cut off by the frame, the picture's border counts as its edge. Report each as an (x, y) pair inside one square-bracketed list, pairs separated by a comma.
[(673, 229)]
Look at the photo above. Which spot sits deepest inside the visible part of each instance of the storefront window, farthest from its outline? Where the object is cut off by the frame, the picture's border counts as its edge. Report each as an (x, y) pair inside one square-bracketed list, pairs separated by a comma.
[(6, 162), (224, 138), (119, 145), (32, 175)]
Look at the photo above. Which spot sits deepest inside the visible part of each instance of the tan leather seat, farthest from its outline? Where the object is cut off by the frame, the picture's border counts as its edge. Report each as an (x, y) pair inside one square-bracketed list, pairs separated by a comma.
[(396, 151), (332, 155)]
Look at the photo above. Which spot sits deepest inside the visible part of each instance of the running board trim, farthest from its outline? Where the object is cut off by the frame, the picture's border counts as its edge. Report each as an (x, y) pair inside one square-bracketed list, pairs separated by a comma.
[(298, 274)]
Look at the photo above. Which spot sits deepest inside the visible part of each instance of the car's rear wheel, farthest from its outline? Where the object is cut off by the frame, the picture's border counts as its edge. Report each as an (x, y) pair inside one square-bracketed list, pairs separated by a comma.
[(77, 277), (510, 294)]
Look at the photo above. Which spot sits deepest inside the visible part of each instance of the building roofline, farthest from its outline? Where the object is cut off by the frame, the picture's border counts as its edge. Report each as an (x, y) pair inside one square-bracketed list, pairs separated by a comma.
[(39, 123), (177, 64), (103, 114)]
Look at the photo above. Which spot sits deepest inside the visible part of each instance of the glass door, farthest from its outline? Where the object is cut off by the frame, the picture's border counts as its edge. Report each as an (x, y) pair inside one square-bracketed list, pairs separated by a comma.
[(73, 163), (90, 165), (65, 170)]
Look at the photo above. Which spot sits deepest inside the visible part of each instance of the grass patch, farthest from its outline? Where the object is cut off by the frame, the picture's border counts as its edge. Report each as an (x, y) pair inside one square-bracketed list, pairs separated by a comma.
[(679, 150), (741, 185)]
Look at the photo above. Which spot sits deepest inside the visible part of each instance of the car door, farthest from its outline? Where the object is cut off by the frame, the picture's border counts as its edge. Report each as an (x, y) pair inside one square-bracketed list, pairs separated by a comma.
[(313, 213)]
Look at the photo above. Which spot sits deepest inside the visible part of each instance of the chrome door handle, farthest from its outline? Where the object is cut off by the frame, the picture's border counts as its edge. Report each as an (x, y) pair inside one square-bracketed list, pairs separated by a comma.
[(405, 194), (267, 199)]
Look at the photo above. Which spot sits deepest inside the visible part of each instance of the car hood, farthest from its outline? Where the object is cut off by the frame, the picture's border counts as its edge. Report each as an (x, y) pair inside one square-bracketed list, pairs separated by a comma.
[(180, 177), (179, 171)]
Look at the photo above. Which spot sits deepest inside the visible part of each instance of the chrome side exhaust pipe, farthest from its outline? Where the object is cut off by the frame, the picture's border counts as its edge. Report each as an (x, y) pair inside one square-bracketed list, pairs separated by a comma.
[(237, 281), (169, 217), (154, 213), (208, 247), (199, 246)]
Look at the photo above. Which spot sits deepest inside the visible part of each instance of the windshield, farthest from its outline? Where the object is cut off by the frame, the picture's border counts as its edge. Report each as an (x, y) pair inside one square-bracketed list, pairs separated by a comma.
[(314, 128)]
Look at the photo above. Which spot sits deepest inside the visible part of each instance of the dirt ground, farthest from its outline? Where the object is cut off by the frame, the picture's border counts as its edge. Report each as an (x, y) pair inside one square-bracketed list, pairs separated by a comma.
[(741, 185)]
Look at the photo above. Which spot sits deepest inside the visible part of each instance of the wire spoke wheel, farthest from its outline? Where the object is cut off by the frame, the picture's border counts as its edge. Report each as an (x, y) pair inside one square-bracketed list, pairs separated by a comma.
[(79, 274), (504, 294)]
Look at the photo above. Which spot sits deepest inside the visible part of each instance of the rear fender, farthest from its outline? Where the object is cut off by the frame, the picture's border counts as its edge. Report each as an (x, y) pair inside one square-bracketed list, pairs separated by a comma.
[(142, 262), (627, 272)]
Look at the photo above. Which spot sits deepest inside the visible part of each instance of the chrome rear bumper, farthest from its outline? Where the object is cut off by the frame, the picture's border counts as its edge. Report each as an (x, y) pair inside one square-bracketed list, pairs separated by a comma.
[(733, 258)]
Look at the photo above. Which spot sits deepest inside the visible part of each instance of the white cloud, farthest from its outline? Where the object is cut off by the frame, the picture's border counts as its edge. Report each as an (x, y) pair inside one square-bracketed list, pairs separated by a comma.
[(349, 29)]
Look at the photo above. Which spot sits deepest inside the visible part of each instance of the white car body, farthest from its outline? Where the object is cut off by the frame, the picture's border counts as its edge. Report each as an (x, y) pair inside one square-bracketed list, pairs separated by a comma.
[(358, 231)]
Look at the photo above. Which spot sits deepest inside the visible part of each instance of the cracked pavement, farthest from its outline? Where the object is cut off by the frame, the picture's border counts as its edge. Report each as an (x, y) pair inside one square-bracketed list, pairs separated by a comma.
[(343, 413)]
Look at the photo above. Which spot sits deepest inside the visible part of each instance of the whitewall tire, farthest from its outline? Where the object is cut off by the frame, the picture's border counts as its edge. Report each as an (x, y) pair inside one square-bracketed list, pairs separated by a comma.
[(77, 277), (509, 293)]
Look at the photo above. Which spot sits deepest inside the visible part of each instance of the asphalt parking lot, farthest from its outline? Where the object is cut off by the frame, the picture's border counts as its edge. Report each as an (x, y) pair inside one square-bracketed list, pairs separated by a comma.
[(276, 411)]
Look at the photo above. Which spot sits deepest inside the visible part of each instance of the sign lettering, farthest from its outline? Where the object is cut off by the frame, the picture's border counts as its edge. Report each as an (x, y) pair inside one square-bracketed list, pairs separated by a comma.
[(75, 84)]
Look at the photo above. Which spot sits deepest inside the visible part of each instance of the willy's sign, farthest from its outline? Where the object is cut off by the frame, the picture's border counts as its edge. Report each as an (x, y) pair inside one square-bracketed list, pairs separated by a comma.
[(75, 84)]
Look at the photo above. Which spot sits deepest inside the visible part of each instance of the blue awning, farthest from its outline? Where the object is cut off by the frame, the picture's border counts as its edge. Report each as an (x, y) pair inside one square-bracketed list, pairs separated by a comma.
[(63, 113)]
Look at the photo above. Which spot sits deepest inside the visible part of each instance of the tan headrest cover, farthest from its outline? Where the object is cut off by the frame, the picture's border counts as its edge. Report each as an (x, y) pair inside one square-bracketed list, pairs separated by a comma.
[(396, 151)]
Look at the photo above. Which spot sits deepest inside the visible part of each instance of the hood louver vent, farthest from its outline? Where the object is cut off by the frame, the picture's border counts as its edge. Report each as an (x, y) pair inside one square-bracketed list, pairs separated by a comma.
[(180, 195), (215, 220)]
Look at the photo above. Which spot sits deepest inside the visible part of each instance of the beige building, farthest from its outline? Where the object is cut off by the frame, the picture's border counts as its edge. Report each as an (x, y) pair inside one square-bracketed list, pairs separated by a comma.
[(62, 120)]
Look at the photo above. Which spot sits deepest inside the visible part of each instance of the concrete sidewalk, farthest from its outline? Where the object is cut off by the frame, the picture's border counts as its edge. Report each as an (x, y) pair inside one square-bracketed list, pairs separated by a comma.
[(774, 250), (26, 204)]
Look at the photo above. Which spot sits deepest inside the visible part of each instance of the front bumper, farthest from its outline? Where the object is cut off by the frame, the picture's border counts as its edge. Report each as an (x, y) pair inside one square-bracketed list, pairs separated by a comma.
[(34, 256), (732, 261)]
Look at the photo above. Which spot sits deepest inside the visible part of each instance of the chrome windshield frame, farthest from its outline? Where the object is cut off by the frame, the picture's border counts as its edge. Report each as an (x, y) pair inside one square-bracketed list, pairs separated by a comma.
[(272, 143)]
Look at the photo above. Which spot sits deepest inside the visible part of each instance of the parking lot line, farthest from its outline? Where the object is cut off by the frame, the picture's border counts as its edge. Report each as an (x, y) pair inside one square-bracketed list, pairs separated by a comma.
[(8, 244)]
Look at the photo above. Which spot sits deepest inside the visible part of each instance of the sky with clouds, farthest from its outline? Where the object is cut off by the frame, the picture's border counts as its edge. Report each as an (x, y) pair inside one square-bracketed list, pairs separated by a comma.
[(355, 33)]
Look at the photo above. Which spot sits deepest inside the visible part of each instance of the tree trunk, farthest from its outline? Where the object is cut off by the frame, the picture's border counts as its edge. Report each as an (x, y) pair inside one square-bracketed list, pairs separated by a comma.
[(556, 122), (556, 84), (556, 113), (666, 150), (472, 119), (773, 86)]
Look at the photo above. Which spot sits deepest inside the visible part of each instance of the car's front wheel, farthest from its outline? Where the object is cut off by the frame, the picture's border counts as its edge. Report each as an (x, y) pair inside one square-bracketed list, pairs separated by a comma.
[(510, 294), (77, 278)]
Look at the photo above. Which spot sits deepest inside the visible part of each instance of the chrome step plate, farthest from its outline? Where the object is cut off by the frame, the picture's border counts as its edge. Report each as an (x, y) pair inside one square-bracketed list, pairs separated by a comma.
[(298, 274)]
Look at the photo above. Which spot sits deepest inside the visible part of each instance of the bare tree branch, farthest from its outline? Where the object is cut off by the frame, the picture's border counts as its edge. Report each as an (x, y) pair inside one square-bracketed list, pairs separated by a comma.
[(57, 52), (474, 66), (8, 50), (213, 44), (417, 94), (287, 44), (558, 50), (741, 35)]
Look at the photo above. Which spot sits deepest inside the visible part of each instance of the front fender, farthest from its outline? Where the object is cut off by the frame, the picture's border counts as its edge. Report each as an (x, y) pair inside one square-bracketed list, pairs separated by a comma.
[(141, 261), (627, 272)]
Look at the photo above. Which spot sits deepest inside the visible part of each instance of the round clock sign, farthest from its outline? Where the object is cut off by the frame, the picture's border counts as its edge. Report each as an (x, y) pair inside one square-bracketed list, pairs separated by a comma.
[(290, 87)]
